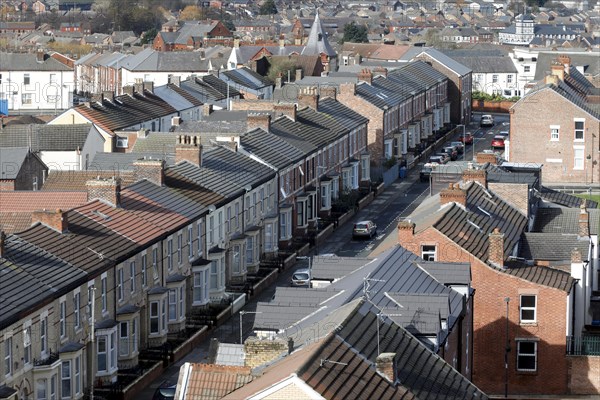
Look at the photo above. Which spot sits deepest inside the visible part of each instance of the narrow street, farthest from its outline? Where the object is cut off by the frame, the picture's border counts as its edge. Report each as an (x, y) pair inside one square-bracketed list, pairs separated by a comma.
[(396, 202)]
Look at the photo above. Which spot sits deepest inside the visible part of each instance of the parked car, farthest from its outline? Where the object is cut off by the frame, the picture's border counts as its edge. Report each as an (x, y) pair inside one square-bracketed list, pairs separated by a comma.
[(426, 171), (466, 139), (459, 147), (165, 393), (301, 277), (504, 133), (364, 229), (498, 142), (452, 152), (444, 155), (436, 160), (486, 120)]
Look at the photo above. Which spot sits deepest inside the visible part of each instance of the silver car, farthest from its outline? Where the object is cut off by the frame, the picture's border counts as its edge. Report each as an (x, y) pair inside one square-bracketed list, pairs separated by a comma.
[(301, 277), (364, 229)]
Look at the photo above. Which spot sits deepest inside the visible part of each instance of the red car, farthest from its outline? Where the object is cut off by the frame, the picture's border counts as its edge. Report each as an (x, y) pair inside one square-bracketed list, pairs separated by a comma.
[(467, 139), (498, 142)]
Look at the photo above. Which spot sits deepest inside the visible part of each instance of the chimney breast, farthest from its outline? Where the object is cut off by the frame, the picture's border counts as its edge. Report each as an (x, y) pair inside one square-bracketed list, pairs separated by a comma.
[(475, 175), (308, 97), (188, 148), (496, 248), (453, 194), (288, 110), (55, 219), (108, 190), (365, 76), (151, 169), (262, 121), (386, 366), (406, 231)]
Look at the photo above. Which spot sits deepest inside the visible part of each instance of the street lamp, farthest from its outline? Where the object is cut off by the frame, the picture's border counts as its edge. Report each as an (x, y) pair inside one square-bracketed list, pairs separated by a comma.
[(242, 313)]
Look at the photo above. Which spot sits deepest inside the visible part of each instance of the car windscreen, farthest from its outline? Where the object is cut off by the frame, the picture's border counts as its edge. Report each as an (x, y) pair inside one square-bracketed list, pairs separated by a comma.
[(360, 226), (301, 276)]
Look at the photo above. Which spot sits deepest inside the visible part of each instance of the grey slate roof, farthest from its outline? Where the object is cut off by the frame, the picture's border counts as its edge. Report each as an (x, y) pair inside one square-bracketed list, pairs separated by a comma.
[(421, 314), (317, 40), (275, 316), (156, 143), (40, 137), (552, 246), (564, 220), (271, 148), (149, 60), (28, 62), (11, 161), (247, 78), (28, 275), (343, 115), (565, 199), (124, 161), (443, 59), (478, 64), (541, 275), (421, 374), (588, 61), (448, 273), (303, 296), (333, 268)]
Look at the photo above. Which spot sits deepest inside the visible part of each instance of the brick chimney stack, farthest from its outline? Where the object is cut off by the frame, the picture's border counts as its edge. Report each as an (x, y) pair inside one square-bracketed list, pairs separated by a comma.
[(287, 109), (406, 231), (150, 169), (380, 71), (188, 148), (365, 76), (496, 248), (576, 256), (55, 219), (475, 175), (262, 121), (108, 190), (584, 224), (558, 70), (328, 91), (565, 60), (386, 366), (483, 158), (454, 194), (308, 97)]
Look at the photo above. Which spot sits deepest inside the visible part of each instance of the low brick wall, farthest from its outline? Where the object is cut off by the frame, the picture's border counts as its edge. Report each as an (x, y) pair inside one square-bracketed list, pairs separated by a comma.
[(584, 374), (189, 345), (289, 261), (324, 235), (223, 315), (345, 217), (265, 282), (379, 189), (130, 392), (492, 106), (365, 201)]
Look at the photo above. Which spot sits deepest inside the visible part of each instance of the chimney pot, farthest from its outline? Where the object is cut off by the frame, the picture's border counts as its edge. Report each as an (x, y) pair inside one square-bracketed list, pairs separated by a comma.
[(189, 149), (108, 190), (308, 98), (453, 194)]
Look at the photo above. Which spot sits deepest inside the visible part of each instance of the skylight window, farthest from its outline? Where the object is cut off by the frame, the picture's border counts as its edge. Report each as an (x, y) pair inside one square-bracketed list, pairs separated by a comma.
[(474, 225), (483, 211)]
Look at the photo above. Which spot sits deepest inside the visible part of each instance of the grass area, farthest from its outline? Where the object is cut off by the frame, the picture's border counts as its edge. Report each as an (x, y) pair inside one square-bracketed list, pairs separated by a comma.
[(594, 197)]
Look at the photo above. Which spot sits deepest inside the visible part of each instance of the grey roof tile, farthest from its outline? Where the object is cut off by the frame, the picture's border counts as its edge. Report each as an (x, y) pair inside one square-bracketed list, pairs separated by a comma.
[(11, 161)]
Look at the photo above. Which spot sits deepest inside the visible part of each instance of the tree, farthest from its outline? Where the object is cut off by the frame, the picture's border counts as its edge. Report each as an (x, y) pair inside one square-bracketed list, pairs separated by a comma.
[(268, 8), (355, 33), (191, 13), (281, 66), (148, 36)]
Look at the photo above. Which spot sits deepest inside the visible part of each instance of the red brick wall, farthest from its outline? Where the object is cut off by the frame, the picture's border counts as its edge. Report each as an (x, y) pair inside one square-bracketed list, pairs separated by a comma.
[(375, 126), (7, 184), (490, 324), (584, 374), (529, 133)]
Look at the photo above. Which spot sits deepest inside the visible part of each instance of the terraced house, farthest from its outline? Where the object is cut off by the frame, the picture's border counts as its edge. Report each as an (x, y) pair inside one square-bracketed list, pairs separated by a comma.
[(532, 289)]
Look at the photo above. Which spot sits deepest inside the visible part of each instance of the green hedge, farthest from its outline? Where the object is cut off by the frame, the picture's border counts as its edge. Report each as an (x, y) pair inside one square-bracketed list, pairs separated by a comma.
[(489, 97)]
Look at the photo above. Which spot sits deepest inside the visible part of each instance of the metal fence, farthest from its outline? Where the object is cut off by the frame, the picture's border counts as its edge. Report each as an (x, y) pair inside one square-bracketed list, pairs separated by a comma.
[(586, 345)]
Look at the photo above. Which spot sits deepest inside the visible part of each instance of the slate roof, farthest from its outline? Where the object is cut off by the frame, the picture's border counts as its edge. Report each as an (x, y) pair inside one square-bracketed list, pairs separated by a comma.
[(501, 64), (223, 171), (248, 78), (208, 88), (485, 211), (126, 111), (303, 296), (11, 161), (75, 180), (333, 268), (448, 273), (156, 143), (588, 61), (564, 220), (341, 114), (271, 148), (443, 59), (421, 373), (40, 137), (317, 40), (121, 162), (28, 62), (275, 316), (565, 199), (213, 382), (150, 60), (552, 246), (541, 275), (28, 275), (421, 313), (175, 99)]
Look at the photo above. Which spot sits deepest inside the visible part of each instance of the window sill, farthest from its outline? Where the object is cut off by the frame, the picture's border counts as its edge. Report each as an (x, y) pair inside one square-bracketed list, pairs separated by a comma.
[(106, 373), (527, 372), (532, 324)]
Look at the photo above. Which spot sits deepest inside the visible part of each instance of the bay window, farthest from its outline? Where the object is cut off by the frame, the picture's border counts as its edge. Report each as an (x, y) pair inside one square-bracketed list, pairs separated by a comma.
[(285, 222), (365, 168), (65, 379), (200, 288), (236, 261), (172, 304), (325, 195), (270, 235), (250, 250)]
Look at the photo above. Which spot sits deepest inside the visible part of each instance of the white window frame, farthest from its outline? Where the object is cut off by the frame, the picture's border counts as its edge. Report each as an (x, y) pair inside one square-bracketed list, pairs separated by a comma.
[(190, 242), (201, 277), (132, 276), (427, 253), (170, 253), (44, 334), (179, 249), (62, 307), (154, 316), (270, 236), (155, 263), (365, 168), (301, 212), (250, 250), (554, 133), (66, 382), (172, 297), (8, 355), (326, 195), (77, 310), (524, 308), (104, 288), (578, 131), (578, 158), (236, 259), (521, 354), (285, 223), (388, 148), (199, 226), (110, 338), (120, 283), (181, 304), (123, 340), (27, 355)]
